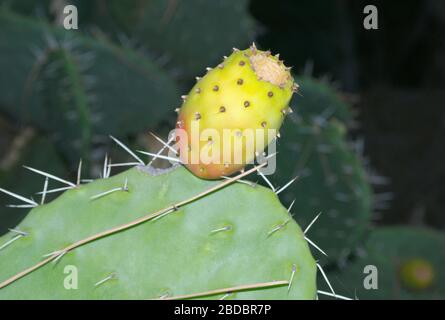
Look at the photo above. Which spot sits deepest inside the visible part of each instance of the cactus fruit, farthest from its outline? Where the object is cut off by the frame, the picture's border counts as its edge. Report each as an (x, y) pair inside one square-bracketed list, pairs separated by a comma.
[(250, 89), (408, 264), (417, 274), (238, 237)]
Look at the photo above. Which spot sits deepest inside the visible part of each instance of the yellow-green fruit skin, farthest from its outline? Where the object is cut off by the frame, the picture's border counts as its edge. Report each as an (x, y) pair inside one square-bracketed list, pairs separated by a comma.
[(417, 274), (234, 96)]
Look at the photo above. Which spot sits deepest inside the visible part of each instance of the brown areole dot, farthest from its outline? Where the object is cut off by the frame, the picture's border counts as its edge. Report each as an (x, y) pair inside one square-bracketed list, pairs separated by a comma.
[(222, 109), (270, 94), (198, 90), (197, 116), (240, 82), (246, 104), (264, 124), (242, 63), (215, 88)]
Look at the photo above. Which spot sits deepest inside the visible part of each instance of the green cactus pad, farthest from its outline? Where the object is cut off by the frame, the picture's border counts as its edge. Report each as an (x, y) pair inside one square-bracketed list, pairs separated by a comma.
[(229, 238), (389, 249), (69, 84), (211, 28)]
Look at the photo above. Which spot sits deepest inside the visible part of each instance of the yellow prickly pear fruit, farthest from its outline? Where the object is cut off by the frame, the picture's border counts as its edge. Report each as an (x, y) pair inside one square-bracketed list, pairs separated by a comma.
[(417, 274), (233, 113)]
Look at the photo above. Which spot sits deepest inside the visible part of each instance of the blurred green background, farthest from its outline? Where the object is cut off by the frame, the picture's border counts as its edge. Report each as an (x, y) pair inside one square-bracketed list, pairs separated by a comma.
[(366, 137)]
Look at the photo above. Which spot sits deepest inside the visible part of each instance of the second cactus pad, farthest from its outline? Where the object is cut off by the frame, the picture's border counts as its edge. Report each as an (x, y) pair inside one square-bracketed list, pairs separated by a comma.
[(248, 91), (238, 237)]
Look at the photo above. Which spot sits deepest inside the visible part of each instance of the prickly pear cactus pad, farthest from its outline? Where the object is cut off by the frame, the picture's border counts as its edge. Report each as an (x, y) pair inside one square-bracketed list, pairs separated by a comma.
[(239, 237), (249, 90), (319, 100), (331, 181), (409, 263)]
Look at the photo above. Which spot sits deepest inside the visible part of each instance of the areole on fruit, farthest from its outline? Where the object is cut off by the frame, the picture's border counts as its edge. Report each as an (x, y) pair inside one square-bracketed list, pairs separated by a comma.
[(234, 112)]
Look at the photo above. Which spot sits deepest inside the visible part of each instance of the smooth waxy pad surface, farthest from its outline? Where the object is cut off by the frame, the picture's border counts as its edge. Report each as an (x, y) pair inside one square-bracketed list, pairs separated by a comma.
[(219, 241)]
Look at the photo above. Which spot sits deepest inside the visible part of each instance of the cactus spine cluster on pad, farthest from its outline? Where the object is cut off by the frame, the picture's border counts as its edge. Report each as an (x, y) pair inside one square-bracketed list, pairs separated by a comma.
[(250, 89)]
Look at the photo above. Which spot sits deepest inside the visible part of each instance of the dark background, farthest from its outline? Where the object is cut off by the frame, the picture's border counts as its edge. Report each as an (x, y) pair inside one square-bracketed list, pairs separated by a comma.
[(396, 74)]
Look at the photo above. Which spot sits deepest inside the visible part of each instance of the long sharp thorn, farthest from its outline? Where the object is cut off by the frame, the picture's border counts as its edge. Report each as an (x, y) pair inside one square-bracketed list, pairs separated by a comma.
[(103, 194), (111, 276), (333, 295), (226, 228), (165, 144), (105, 168), (278, 227), (159, 156), (315, 246), (123, 146), (294, 269), (54, 253), (15, 238), (45, 174), (21, 206), (45, 189), (59, 257), (160, 151), (326, 279), (163, 215), (228, 294), (56, 190), (286, 185), (156, 156), (310, 224), (12, 194), (126, 164), (271, 155), (267, 180), (16, 231), (291, 205), (109, 168), (249, 183), (79, 173)]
